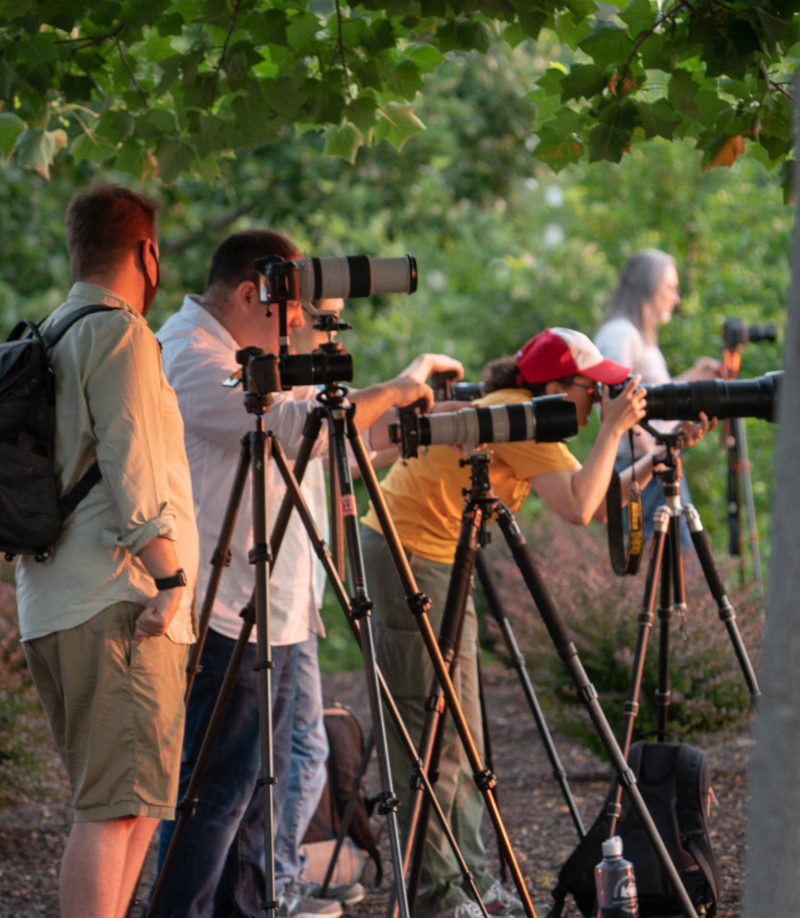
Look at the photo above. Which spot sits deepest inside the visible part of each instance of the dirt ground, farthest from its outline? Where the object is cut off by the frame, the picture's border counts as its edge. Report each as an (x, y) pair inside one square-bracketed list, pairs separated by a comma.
[(532, 806)]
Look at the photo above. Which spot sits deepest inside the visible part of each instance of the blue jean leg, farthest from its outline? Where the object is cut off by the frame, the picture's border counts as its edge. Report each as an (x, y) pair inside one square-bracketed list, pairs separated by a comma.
[(309, 753), (221, 852)]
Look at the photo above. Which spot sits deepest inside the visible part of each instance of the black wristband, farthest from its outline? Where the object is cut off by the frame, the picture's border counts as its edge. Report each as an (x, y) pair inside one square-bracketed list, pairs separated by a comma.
[(178, 579)]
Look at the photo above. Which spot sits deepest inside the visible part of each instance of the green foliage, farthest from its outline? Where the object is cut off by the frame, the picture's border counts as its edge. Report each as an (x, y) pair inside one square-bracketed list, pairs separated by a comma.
[(599, 612), (24, 743), (164, 87)]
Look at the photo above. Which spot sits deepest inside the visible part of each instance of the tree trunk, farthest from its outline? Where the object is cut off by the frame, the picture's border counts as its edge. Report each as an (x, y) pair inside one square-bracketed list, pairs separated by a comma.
[(774, 826)]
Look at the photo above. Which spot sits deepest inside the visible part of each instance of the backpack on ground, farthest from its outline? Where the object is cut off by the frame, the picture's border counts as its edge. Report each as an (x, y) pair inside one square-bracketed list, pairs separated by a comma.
[(346, 760), (674, 782), (33, 513)]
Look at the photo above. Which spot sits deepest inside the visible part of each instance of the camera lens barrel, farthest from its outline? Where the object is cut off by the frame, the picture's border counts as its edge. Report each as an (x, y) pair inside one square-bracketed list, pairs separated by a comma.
[(354, 276), (718, 398), (546, 420), (315, 369)]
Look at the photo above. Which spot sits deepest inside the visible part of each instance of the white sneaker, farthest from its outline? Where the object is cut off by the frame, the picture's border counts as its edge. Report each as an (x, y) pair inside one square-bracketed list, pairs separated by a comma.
[(295, 903), (500, 902)]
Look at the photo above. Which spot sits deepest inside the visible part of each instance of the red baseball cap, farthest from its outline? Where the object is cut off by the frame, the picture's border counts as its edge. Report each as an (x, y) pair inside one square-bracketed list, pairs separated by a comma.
[(558, 352)]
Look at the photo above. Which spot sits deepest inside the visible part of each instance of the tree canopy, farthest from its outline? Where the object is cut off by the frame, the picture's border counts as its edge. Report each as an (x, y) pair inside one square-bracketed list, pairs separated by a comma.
[(165, 87)]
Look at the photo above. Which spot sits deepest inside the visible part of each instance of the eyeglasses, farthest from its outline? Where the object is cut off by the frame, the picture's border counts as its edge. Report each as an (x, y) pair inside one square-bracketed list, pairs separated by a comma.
[(592, 389)]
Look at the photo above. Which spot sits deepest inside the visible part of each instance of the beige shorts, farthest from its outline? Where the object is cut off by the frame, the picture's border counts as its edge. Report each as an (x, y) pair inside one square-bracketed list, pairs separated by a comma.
[(115, 707)]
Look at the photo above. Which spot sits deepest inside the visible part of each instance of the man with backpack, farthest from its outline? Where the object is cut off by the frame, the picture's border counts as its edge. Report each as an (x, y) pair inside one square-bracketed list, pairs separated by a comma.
[(218, 867), (106, 619)]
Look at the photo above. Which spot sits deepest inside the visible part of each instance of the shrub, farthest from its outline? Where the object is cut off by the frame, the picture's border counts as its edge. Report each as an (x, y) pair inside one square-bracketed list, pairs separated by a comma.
[(600, 611), (25, 746)]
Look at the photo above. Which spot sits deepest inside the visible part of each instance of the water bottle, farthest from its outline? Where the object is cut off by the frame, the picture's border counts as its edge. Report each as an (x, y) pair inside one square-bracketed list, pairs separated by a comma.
[(615, 883)]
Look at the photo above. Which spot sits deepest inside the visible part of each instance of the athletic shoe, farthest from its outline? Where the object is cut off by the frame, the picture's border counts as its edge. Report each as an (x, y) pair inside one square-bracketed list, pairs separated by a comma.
[(464, 910), (500, 902), (346, 893), (294, 903)]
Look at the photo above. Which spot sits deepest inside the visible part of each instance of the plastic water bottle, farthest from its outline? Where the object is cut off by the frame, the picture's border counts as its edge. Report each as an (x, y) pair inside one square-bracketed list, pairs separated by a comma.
[(615, 883)]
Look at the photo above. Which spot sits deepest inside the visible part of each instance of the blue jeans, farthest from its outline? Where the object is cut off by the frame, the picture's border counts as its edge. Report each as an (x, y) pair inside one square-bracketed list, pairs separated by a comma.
[(218, 867), (308, 770)]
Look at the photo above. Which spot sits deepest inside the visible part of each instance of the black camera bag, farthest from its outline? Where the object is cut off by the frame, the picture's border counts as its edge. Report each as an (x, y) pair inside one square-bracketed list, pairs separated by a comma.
[(32, 512), (674, 782)]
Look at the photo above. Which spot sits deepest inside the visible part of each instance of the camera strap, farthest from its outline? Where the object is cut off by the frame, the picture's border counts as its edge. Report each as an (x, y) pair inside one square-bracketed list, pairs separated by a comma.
[(625, 559)]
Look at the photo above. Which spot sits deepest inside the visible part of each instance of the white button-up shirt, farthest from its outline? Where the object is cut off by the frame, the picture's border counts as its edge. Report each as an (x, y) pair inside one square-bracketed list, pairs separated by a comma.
[(199, 354)]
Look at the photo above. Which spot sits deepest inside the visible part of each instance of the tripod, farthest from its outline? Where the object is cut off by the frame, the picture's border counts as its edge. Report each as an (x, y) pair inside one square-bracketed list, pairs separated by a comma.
[(480, 505), (665, 579)]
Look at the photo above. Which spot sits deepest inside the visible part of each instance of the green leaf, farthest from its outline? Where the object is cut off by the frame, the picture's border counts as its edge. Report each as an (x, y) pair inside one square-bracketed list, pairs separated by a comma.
[(36, 149), (115, 126), (14, 9), (397, 123), (87, 146), (639, 16), (361, 111), (658, 118), (344, 141), (173, 158), (583, 81), (608, 45), (11, 126), (682, 92)]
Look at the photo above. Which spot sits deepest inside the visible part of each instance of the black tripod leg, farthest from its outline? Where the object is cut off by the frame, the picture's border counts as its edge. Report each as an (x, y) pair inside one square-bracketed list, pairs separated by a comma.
[(341, 595), (362, 610), (418, 605), (726, 611), (517, 660), (488, 752), (645, 620), (665, 609), (218, 561), (433, 730), (569, 654)]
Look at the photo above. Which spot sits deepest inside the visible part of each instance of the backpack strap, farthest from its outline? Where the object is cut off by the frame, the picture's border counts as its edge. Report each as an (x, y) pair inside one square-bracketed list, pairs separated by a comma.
[(689, 768), (50, 338)]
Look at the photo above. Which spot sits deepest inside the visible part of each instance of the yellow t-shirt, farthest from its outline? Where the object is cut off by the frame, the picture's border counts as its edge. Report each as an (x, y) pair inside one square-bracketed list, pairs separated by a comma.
[(425, 494)]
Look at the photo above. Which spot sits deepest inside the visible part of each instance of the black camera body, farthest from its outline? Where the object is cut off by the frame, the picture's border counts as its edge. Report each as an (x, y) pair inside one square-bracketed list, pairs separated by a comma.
[(736, 333), (446, 388), (263, 374), (718, 398)]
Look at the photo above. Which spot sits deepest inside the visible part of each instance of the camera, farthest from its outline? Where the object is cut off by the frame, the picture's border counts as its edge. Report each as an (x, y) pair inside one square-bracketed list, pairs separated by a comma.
[(546, 419), (346, 276), (736, 333), (718, 398), (446, 388), (263, 373)]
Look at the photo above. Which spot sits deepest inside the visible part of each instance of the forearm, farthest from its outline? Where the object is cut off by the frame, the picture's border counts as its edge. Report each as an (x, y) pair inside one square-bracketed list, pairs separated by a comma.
[(161, 560), (590, 483)]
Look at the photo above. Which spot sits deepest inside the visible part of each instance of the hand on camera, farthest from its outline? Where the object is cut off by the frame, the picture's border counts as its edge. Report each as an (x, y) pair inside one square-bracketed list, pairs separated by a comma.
[(626, 409), (426, 365), (693, 431)]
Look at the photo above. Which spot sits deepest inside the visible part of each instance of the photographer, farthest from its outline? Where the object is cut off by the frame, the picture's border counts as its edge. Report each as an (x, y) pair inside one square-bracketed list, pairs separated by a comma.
[(645, 296), (426, 502), (219, 868)]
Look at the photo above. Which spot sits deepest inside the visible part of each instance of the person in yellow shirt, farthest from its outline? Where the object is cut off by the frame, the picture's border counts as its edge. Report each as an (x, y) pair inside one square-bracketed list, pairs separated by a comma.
[(425, 499)]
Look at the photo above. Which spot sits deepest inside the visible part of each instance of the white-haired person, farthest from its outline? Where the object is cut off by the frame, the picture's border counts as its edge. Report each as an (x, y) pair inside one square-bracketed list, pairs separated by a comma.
[(644, 299), (425, 499)]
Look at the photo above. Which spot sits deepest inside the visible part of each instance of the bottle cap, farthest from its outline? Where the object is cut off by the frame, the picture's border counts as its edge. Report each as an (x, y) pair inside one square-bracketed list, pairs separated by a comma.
[(612, 847)]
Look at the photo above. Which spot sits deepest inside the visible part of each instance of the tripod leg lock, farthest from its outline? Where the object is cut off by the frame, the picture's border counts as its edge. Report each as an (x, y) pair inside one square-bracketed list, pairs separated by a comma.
[(436, 703), (485, 780), (361, 608), (387, 803), (419, 604), (260, 553)]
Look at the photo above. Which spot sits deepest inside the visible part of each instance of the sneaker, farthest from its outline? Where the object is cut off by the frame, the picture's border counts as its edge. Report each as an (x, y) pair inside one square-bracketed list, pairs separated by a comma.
[(294, 902), (463, 910), (346, 893), (500, 902)]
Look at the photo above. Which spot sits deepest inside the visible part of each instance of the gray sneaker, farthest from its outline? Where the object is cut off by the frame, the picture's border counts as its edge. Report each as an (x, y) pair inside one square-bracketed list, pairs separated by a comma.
[(296, 903), (346, 893)]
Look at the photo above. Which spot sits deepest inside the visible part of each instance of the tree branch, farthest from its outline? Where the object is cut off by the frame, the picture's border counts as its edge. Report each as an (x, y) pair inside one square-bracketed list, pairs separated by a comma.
[(231, 27), (340, 48), (127, 66)]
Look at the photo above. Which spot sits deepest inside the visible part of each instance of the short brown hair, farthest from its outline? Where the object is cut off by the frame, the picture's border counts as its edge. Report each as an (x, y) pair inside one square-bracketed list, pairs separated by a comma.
[(103, 223), (233, 261)]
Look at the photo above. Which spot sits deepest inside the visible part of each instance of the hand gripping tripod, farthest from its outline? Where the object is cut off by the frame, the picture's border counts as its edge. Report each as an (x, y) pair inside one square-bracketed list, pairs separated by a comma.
[(480, 505), (665, 577)]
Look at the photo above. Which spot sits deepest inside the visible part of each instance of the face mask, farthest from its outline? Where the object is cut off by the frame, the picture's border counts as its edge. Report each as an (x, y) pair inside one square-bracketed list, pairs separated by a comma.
[(149, 288)]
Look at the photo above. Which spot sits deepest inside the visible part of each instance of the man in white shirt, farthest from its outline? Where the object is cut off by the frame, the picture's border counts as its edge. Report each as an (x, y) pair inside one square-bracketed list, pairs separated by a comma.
[(218, 868)]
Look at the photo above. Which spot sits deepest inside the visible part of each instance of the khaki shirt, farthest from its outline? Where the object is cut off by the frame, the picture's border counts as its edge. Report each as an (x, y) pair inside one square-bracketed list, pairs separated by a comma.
[(113, 403)]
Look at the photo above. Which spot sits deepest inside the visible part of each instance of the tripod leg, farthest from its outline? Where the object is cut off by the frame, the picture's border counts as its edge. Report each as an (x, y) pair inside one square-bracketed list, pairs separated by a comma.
[(517, 660), (408, 747), (660, 525), (724, 607), (569, 655), (418, 605), (433, 733)]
